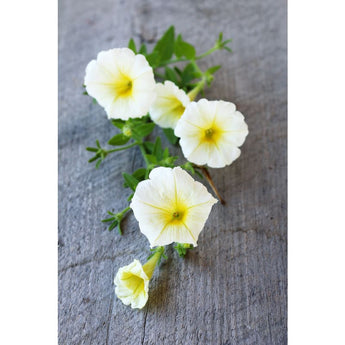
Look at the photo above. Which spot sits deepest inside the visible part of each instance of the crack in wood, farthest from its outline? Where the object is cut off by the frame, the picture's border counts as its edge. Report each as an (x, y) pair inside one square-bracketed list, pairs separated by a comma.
[(144, 327)]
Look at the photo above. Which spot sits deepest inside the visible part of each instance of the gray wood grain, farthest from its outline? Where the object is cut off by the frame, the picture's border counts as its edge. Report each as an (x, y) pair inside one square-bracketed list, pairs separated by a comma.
[(232, 288)]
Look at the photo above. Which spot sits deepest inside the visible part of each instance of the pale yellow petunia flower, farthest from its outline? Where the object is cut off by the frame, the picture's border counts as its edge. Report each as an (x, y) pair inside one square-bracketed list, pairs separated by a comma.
[(169, 105), (171, 207), (132, 281), (211, 132), (121, 82)]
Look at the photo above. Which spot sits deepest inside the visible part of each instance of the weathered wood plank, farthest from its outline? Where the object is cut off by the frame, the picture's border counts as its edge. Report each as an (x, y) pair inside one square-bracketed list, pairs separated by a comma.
[(232, 288)]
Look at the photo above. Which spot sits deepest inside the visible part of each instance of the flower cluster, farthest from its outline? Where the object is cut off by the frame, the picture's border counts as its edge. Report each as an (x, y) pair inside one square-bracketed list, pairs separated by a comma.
[(170, 206)]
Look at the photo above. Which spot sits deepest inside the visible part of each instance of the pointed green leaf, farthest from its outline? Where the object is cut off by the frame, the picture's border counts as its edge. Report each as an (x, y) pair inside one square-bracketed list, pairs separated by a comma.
[(170, 74), (157, 149), (183, 48), (165, 46), (152, 159), (118, 139), (143, 49), (140, 174), (165, 153), (131, 45), (130, 181), (107, 220), (149, 146), (143, 130), (92, 159), (189, 73), (92, 149), (169, 133), (213, 69), (118, 123), (153, 59), (98, 163), (113, 225)]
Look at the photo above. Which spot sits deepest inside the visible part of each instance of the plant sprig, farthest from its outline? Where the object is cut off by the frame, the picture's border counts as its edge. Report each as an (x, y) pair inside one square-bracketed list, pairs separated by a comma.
[(169, 50)]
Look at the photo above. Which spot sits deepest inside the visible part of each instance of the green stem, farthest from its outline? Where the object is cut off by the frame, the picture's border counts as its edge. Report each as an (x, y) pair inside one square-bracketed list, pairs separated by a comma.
[(210, 51), (121, 214), (122, 148), (150, 265), (165, 63), (199, 86), (143, 152)]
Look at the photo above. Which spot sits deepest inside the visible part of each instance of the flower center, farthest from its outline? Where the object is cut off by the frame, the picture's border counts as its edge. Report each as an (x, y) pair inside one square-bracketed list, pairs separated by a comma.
[(209, 133), (123, 86), (176, 214)]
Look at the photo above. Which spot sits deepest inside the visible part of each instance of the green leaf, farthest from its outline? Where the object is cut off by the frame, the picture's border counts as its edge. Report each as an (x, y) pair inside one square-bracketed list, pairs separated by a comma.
[(169, 162), (183, 48), (98, 163), (189, 73), (130, 181), (149, 146), (170, 74), (131, 45), (143, 49), (213, 69), (107, 220), (92, 149), (152, 159), (153, 59), (92, 159), (169, 133), (165, 46), (113, 225), (165, 153), (118, 123), (118, 139), (157, 149), (140, 174), (182, 248), (130, 197), (143, 130)]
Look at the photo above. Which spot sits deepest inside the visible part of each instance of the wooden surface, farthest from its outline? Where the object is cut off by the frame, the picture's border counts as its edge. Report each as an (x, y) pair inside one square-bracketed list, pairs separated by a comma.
[(232, 288)]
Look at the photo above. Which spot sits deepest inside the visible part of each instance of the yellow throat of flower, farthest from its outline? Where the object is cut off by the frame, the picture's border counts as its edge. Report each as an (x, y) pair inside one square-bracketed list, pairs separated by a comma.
[(123, 86), (210, 135), (176, 108), (177, 214)]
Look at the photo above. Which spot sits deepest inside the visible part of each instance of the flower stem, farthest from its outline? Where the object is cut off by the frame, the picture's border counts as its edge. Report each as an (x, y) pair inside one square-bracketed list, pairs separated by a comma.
[(194, 92), (143, 152), (211, 183), (150, 265), (210, 51), (122, 148), (122, 213)]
